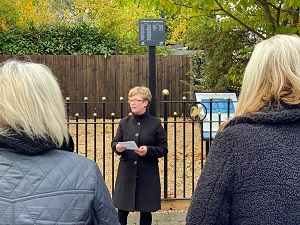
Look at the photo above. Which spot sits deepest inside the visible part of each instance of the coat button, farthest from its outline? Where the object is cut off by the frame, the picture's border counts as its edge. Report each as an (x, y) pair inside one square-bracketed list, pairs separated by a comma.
[(138, 123), (137, 134), (135, 162)]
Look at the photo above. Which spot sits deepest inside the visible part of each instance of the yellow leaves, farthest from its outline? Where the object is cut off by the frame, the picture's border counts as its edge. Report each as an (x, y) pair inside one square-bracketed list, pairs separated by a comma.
[(115, 21), (8, 13), (23, 13), (177, 28)]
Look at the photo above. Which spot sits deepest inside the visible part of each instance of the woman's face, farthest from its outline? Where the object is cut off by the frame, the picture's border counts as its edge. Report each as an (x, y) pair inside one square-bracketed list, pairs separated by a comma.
[(137, 104)]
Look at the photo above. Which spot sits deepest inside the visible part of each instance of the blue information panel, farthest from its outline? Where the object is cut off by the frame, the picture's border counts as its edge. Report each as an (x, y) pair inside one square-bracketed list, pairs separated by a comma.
[(218, 105), (217, 110)]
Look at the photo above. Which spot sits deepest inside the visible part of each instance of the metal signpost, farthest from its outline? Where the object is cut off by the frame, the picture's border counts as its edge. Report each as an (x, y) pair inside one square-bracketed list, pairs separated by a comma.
[(151, 34)]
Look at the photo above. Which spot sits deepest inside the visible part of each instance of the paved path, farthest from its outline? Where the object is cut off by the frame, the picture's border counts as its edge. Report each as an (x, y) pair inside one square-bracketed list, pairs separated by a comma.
[(160, 218)]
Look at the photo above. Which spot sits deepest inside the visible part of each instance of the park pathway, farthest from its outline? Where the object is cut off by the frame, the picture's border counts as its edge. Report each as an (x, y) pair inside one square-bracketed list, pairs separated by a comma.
[(161, 218)]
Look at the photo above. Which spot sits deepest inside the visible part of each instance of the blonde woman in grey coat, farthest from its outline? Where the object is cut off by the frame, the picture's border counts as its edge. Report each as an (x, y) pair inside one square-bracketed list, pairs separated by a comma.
[(41, 182)]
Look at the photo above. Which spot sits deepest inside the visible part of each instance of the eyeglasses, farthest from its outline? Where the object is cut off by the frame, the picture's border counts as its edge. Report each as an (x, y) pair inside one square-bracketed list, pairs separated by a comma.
[(135, 100)]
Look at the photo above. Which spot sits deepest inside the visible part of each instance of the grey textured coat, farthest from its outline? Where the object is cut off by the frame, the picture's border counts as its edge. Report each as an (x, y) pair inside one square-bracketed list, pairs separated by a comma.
[(252, 173), (56, 187), (138, 185)]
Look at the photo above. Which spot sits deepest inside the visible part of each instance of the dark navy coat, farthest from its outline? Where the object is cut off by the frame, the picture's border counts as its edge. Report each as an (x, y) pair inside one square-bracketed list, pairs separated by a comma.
[(252, 173), (138, 185)]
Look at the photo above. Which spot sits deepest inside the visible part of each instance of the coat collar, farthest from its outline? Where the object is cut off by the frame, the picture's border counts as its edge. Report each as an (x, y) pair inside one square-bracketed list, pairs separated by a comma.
[(275, 114), (141, 117)]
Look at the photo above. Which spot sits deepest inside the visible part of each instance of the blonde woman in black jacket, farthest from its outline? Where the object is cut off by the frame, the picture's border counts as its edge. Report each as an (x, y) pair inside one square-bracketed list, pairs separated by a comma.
[(252, 173), (138, 183)]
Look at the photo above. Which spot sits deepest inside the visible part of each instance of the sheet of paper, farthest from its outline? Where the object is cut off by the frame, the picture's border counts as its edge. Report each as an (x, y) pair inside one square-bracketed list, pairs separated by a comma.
[(130, 145)]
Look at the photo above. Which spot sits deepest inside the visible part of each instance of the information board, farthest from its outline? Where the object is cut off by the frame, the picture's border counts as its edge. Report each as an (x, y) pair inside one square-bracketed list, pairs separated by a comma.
[(152, 32), (219, 105)]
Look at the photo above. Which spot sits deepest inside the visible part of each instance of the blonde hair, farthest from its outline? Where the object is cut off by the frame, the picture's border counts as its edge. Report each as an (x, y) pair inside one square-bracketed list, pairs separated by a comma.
[(272, 75), (143, 91), (31, 102)]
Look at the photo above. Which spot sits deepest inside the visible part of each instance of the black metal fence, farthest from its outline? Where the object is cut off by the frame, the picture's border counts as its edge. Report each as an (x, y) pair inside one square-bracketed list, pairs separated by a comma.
[(187, 145)]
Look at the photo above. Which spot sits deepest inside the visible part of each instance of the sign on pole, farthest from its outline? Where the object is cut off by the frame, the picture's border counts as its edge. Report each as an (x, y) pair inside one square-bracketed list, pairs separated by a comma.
[(152, 32)]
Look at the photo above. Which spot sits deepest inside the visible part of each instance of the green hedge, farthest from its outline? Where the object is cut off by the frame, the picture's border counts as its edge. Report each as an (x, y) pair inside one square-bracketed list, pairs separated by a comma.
[(74, 39)]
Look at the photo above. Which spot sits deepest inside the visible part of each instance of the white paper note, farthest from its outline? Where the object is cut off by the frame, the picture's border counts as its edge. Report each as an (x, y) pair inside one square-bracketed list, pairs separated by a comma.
[(130, 145)]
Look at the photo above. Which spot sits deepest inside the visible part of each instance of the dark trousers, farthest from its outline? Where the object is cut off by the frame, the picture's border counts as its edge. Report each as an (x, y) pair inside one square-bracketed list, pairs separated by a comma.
[(145, 217)]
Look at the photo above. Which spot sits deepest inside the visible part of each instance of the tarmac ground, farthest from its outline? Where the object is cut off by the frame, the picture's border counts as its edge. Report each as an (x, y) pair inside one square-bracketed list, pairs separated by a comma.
[(160, 218), (173, 212)]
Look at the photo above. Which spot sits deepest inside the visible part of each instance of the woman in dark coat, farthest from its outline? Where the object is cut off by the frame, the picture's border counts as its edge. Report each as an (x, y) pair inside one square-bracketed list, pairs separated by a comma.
[(252, 172), (138, 183)]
